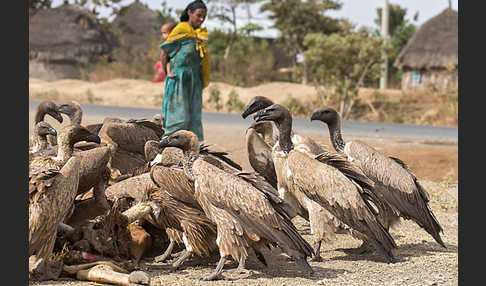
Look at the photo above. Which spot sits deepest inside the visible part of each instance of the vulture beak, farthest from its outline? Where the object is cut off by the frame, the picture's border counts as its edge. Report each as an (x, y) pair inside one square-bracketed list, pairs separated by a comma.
[(246, 112), (315, 116), (52, 131), (56, 115), (261, 115), (164, 142)]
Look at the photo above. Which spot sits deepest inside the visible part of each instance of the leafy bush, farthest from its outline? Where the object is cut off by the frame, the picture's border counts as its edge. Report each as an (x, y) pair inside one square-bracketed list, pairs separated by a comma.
[(214, 98), (234, 103)]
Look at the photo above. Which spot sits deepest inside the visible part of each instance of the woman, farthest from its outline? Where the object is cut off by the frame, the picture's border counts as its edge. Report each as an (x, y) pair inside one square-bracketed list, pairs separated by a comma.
[(186, 49)]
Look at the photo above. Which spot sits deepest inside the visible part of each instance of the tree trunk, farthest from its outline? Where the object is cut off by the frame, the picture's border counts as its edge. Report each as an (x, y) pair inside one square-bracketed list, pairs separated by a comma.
[(233, 35), (305, 74)]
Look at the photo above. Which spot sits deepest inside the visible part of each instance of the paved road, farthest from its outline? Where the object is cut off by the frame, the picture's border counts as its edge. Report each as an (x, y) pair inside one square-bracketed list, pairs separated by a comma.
[(299, 124)]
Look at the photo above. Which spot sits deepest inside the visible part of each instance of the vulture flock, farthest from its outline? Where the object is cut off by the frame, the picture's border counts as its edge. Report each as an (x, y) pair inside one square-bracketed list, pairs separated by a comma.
[(102, 196)]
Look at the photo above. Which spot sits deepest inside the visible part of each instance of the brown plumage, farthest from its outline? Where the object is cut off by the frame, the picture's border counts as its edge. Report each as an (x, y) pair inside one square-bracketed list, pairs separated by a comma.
[(39, 138), (243, 215), (177, 211), (342, 196), (395, 183), (127, 142), (67, 137), (259, 141), (47, 107), (51, 196)]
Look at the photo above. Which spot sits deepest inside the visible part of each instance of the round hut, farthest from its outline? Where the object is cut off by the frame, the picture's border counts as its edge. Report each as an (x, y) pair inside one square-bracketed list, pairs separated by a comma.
[(63, 37), (430, 58), (138, 24)]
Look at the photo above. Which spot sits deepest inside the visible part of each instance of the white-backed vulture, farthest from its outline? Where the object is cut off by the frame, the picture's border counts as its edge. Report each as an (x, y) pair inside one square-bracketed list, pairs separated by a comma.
[(93, 174), (259, 142), (180, 215), (395, 183), (92, 169), (51, 196), (67, 137), (47, 107), (260, 102), (39, 137), (340, 193), (177, 212), (243, 215), (127, 142)]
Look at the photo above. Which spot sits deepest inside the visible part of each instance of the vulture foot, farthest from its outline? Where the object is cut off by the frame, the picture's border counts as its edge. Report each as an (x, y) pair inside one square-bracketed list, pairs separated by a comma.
[(216, 274), (168, 251), (183, 257)]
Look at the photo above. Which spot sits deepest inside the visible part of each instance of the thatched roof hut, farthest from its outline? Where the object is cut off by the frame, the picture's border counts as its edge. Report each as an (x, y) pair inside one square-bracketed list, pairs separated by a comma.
[(62, 37), (137, 23), (432, 52)]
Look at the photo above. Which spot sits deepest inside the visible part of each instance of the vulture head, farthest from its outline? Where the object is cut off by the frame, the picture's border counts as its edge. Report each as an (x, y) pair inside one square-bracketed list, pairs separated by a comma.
[(262, 127), (255, 104), (70, 109), (74, 133), (283, 120), (47, 107), (158, 119), (326, 115), (43, 129), (275, 112), (182, 139)]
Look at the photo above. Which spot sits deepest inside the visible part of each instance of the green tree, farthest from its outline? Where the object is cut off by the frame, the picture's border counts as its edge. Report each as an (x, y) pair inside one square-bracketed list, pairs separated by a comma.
[(296, 18), (401, 30), (225, 11), (343, 61)]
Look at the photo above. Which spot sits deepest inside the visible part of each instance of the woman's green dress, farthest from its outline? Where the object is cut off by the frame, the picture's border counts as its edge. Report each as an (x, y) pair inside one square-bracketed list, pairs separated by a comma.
[(182, 104)]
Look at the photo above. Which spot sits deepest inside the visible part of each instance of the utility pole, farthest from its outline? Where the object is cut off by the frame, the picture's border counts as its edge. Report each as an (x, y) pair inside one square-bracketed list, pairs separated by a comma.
[(384, 34)]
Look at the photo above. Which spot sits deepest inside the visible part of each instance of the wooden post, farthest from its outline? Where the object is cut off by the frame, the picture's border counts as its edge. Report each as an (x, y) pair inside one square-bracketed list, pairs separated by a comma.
[(384, 34)]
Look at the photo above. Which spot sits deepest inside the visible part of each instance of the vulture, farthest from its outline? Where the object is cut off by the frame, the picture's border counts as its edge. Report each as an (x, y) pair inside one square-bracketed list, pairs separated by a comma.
[(395, 183), (39, 138), (260, 102), (47, 107), (346, 195), (51, 196), (243, 215), (67, 136), (259, 142), (173, 195), (127, 142), (92, 166)]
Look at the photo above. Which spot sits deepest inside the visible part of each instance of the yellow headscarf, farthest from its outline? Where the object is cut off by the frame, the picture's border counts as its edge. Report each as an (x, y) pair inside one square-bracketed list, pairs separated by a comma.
[(184, 31)]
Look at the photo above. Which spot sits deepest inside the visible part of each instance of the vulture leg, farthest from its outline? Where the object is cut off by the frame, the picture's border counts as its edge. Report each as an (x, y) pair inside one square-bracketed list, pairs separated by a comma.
[(317, 250), (219, 268), (241, 267), (260, 257), (168, 251), (183, 257)]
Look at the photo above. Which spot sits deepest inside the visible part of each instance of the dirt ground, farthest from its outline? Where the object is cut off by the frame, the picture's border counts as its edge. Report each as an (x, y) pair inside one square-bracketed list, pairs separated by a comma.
[(421, 261)]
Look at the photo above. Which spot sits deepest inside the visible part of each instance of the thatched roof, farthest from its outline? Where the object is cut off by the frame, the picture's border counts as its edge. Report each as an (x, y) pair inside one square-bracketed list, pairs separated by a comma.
[(137, 23), (67, 33), (434, 44)]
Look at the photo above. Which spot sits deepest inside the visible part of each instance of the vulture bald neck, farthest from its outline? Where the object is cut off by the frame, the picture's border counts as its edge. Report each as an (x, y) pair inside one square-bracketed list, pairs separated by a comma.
[(283, 122)]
